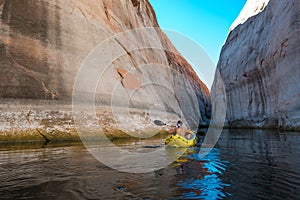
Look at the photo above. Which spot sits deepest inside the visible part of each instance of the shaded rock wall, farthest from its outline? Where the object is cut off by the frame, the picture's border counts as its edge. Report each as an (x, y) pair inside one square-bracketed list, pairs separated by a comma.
[(44, 42), (259, 64)]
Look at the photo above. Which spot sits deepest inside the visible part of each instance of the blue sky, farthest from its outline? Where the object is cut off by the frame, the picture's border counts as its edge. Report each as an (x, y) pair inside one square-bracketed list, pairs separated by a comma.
[(206, 22)]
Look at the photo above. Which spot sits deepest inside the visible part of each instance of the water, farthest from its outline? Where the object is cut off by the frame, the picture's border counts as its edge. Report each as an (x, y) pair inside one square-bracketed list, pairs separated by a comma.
[(245, 164)]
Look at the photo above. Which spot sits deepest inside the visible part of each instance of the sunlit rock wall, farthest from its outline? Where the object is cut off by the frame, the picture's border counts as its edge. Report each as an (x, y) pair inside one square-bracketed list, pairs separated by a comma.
[(43, 44)]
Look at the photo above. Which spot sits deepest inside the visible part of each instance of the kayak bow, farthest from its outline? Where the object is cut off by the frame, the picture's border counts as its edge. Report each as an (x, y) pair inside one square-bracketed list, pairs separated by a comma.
[(176, 140)]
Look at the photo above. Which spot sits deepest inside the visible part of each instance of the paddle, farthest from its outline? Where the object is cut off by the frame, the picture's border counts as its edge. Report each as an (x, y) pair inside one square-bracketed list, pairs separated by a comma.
[(159, 123)]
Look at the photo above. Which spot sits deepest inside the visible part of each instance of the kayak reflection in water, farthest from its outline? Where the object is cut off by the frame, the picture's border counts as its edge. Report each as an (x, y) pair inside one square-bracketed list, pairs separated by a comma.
[(180, 130)]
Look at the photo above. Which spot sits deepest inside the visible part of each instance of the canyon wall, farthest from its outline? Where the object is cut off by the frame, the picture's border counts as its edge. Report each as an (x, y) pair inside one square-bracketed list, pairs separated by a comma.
[(260, 66), (45, 42)]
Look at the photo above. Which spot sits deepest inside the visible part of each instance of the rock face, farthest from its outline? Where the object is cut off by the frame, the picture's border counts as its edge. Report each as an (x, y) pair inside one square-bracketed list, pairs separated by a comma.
[(259, 64), (44, 43), (251, 8)]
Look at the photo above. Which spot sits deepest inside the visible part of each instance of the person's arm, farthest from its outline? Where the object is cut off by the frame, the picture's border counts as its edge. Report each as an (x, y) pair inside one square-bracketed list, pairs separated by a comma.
[(172, 130), (181, 131)]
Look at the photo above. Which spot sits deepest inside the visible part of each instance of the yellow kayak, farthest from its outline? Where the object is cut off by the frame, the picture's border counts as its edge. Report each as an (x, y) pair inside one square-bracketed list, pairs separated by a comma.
[(176, 140)]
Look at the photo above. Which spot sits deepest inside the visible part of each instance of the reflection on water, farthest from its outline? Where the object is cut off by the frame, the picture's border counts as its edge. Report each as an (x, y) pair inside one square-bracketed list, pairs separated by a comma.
[(245, 164), (209, 185)]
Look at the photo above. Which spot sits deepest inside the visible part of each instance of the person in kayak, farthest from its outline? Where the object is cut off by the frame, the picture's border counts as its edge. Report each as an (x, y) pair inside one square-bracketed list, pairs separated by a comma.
[(179, 129)]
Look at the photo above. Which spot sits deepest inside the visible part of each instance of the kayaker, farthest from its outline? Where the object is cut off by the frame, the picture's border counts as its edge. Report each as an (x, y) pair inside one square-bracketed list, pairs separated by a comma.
[(179, 129), (181, 137)]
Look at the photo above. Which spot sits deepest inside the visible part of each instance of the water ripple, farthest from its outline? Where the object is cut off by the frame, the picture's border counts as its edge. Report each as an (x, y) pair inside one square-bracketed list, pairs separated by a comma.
[(245, 164)]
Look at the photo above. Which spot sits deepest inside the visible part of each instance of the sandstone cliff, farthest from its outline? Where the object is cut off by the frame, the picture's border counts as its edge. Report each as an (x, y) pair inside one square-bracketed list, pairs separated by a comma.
[(43, 44), (259, 64)]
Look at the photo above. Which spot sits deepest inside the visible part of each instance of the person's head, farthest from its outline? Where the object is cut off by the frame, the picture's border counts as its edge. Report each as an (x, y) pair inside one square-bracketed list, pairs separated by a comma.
[(179, 124)]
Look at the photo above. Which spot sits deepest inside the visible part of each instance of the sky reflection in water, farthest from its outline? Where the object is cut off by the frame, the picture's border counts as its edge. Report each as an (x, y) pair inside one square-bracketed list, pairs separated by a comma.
[(208, 185)]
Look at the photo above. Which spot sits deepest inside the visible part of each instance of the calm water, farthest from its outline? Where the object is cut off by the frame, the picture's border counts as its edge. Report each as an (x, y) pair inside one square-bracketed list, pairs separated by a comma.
[(245, 164)]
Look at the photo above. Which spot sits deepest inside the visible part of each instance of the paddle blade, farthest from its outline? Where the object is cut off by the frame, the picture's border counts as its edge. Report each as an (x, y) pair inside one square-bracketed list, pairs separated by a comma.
[(159, 123)]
